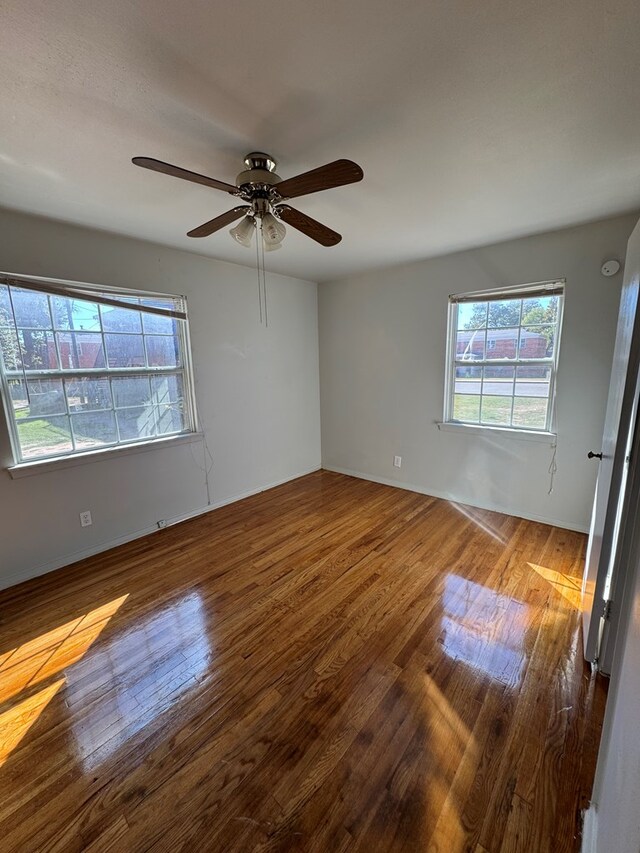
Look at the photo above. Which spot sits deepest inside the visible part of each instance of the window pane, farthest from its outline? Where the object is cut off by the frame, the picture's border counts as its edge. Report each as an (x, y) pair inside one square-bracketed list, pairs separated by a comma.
[(472, 315), (38, 349), (495, 378), (543, 310), (44, 436), (170, 418), (169, 389), (530, 412), (120, 319), (533, 381), (31, 310), (537, 341), (498, 381), (46, 397), (156, 325), (87, 393), (6, 315), (504, 312), (75, 314), (468, 380), (125, 350), (18, 397), (162, 351), (496, 410), (80, 350), (136, 423), (466, 408), (57, 354), (10, 349), (131, 391), (470, 345), (92, 429), (502, 343)]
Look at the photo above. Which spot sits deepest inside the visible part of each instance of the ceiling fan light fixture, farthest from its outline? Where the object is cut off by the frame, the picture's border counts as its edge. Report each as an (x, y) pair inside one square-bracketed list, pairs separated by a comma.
[(271, 247), (273, 231), (243, 231), (264, 192)]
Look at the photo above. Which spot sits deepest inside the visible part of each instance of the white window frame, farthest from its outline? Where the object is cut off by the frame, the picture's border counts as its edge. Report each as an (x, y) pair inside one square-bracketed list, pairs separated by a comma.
[(526, 291), (115, 297)]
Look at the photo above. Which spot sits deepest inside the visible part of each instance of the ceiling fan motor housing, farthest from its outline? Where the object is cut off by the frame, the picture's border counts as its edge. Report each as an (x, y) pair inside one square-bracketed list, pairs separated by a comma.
[(261, 173), (259, 160)]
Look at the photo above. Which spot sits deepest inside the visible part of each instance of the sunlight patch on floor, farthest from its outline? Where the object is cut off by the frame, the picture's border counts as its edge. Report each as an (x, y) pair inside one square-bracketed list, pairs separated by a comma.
[(570, 588), (454, 753), (18, 719), (51, 652), (38, 659)]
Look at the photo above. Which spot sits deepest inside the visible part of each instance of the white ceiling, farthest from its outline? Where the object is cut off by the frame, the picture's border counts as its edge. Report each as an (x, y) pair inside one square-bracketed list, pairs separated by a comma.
[(474, 120)]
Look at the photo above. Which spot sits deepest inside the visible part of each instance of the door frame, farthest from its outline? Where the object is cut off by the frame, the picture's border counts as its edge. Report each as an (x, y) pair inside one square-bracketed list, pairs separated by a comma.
[(615, 551), (625, 555)]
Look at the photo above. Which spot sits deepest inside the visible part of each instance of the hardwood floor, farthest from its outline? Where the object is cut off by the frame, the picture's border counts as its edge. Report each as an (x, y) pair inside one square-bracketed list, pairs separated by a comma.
[(332, 665)]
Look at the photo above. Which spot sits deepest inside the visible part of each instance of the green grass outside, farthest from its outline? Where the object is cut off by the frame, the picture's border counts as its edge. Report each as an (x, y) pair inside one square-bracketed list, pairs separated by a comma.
[(528, 411), (40, 433)]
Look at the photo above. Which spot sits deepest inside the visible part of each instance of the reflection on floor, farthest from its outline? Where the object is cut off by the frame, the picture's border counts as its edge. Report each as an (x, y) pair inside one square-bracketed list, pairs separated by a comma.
[(332, 665), (170, 670), (485, 629)]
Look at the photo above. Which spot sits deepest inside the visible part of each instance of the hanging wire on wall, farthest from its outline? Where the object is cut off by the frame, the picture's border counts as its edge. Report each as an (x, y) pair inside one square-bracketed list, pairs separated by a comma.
[(553, 466)]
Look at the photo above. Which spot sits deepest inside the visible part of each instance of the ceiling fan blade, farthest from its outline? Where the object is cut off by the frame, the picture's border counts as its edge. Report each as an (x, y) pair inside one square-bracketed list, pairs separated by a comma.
[(335, 174), (311, 227), (185, 174), (219, 222)]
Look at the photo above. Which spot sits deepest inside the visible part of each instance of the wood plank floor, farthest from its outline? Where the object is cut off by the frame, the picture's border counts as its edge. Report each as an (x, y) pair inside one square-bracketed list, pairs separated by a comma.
[(332, 665)]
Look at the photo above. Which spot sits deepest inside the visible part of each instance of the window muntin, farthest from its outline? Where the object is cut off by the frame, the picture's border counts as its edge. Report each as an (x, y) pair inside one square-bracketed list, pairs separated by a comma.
[(80, 375), (502, 357)]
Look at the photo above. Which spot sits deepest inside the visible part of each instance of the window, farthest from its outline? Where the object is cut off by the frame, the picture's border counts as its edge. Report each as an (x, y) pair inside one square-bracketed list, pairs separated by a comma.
[(84, 368), (502, 357)]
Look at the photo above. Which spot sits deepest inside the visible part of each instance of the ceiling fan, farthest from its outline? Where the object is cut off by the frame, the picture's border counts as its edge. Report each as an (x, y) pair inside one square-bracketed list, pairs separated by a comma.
[(265, 192)]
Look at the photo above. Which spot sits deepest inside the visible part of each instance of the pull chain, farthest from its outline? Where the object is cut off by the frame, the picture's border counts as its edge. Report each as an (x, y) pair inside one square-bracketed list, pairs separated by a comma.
[(262, 276), (264, 282), (258, 239)]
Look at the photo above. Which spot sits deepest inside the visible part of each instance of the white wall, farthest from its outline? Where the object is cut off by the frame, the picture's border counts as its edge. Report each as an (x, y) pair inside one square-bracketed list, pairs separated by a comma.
[(612, 824), (256, 388), (382, 358), (382, 370)]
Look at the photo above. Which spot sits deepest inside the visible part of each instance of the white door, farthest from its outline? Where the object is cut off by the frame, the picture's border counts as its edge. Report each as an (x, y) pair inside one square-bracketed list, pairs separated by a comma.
[(607, 518)]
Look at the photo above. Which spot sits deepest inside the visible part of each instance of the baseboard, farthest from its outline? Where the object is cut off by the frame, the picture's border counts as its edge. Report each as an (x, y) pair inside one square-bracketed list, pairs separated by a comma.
[(448, 497), (75, 556)]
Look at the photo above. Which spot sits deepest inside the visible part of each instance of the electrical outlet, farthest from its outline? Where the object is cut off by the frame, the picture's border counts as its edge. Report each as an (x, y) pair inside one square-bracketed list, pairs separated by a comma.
[(85, 518), (397, 461), (162, 523)]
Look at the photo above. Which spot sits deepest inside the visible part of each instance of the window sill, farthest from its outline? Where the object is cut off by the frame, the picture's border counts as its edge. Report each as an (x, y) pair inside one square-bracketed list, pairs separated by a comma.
[(28, 469), (540, 436)]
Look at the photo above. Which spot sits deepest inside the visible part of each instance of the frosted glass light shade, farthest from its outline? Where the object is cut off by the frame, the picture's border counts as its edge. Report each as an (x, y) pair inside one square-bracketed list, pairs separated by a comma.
[(243, 231), (273, 231)]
